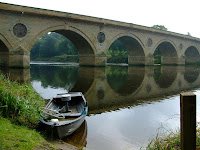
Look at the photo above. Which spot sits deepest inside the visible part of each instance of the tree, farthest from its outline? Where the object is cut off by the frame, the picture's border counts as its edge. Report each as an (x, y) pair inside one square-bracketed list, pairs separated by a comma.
[(189, 34), (53, 44), (160, 27)]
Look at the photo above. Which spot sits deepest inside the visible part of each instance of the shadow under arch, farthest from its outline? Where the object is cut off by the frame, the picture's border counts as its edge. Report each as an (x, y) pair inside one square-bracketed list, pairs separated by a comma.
[(165, 49), (4, 53), (133, 44), (3, 47), (83, 44), (85, 79), (165, 76), (125, 80), (191, 74), (4, 44), (192, 55)]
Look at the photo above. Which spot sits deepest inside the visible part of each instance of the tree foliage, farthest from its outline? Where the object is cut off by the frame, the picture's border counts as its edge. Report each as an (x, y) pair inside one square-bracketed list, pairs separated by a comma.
[(117, 53), (160, 27), (52, 44)]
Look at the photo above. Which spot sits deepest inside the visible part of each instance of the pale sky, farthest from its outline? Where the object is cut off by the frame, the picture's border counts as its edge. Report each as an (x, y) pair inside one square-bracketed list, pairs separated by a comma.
[(181, 16)]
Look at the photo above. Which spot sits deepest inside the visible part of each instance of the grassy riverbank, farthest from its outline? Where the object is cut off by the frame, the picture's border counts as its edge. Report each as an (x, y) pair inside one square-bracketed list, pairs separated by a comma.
[(19, 102), (170, 142), (19, 115), (13, 136)]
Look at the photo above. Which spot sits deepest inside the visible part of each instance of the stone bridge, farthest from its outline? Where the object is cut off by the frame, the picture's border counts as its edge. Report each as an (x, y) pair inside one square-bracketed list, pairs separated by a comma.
[(22, 26)]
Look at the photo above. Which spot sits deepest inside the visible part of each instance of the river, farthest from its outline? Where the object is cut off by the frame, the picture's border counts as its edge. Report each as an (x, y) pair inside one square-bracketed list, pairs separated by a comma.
[(128, 106)]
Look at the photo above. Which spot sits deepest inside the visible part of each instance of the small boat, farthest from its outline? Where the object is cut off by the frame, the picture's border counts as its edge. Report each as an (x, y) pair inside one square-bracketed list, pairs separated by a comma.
[(64, 114)]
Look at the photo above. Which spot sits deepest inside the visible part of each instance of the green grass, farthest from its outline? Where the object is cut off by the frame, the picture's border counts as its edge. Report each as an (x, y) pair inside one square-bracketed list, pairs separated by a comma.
[(170, 141), (14, 137), (19, 111), (19, 102)]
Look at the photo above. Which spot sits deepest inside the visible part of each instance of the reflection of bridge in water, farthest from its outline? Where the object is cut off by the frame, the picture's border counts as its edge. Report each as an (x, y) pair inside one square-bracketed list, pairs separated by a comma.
[(140, 85), (114, 87), (111, 88)]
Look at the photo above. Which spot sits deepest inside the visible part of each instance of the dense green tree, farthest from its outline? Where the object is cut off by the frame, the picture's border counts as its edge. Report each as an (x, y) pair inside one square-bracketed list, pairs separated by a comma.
[(117, 53), (160, 27), (51, 45), (35, 52)]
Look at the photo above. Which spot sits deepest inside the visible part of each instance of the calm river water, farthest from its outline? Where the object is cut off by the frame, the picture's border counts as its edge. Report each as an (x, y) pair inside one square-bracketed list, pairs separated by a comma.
[(128, 106)]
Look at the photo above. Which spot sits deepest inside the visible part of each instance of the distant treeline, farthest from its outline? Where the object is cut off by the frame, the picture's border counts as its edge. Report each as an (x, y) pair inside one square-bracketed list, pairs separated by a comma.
[(117, 53), (53, 46)]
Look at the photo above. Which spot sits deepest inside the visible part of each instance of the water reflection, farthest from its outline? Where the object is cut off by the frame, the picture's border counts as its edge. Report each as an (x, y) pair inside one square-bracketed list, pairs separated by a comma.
[(56, 77), (78, 138), (126, 104), (17, 74), (191, 74), (165, 76), (116, 87), (85, 79), (124, 80)]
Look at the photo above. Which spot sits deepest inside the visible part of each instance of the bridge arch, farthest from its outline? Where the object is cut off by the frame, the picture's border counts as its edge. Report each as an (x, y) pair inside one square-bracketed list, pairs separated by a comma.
[(129, 40), (4, 43), (192, 55), (82, 42), (165, 52), (5, 47)]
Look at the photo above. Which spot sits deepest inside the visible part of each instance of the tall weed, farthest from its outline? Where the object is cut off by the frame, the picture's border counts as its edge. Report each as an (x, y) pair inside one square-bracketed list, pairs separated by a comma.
[(19, 102)]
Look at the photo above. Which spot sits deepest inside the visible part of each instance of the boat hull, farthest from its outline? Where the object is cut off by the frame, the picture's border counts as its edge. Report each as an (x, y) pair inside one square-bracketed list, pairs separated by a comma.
[(62, 131), (61, 128)]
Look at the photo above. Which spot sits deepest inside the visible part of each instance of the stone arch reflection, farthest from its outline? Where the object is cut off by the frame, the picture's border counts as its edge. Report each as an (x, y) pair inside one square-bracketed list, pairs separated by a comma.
[(164, 76), (125, 80), (191, 75), (55, 76), (85, 79), (20, 75)]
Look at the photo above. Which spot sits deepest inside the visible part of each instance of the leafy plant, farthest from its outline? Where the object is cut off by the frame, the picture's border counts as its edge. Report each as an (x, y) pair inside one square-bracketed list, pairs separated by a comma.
[(19, 102)]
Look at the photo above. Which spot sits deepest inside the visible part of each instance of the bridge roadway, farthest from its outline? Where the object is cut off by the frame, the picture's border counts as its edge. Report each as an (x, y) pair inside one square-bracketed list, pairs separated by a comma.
[(22, 26)]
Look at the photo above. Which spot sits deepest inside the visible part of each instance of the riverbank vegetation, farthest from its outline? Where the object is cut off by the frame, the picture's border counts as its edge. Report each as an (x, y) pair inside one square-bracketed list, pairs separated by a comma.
[(19, 116), (19, 102), (14, 137), (171, 141)]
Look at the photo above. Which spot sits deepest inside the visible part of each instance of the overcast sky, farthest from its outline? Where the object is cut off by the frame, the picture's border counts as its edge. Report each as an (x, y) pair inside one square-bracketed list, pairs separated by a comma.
[(181, 16)]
